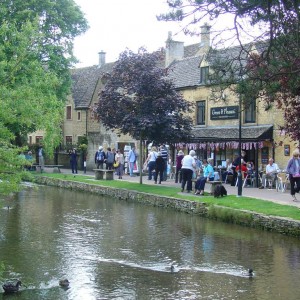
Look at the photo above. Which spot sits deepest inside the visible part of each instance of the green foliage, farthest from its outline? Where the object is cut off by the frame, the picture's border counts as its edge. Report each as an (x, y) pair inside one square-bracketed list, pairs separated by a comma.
[(229, 215), (36, 41), (139, 100)]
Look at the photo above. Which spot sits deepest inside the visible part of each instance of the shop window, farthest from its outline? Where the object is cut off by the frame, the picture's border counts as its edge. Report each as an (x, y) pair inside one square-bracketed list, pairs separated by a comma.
[(69, 112), (250, 111), (204, 72), (201, 113)]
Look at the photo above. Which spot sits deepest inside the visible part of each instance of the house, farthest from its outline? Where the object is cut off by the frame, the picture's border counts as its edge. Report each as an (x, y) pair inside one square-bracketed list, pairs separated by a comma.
[(216, 116), (79, 120)]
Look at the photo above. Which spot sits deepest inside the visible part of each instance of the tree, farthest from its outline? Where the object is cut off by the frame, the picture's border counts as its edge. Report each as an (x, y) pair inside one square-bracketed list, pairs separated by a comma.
[(57, 23), (33, 85), (271, 74), (138, 99)]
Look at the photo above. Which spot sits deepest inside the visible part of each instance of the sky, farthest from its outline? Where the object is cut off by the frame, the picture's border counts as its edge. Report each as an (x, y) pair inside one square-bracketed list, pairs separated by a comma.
[(119, 24)]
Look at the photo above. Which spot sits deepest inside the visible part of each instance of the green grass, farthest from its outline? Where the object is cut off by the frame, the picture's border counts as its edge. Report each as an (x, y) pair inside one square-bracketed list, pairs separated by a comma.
[(231, 201)]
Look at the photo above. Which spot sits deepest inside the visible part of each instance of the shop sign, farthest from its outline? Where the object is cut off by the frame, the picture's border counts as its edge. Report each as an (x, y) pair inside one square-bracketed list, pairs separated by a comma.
[(225, 112)]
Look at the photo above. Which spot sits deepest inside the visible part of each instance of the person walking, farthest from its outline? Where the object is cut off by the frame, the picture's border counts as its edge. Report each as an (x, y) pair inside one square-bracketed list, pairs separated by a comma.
[(150, 161), (179, 157), (73, 161), (119, 159), (293, 169), (159, 168), (187, 169), (165, 155), (131, 160)]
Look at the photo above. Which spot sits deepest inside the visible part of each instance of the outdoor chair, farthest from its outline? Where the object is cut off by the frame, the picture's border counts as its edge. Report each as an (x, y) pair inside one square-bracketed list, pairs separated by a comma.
[(282, 181)]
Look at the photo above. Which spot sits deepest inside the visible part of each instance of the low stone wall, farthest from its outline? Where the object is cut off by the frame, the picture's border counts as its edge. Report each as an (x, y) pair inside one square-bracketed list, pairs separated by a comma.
[(229, 215)]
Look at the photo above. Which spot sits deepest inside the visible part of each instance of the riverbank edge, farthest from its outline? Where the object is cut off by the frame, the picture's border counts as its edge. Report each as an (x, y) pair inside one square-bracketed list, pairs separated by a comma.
[(229, 215)]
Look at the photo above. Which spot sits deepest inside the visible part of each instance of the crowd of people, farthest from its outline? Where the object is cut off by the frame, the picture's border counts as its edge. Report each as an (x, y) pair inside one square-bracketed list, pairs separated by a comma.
[(187, 168)]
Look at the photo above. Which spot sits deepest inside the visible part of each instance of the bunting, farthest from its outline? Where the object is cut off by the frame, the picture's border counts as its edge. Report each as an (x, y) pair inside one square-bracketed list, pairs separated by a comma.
[(225, 145)]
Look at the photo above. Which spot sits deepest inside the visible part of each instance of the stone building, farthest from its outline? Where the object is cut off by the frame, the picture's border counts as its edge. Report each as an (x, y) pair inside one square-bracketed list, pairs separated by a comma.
[(79, 120), (216, 119)]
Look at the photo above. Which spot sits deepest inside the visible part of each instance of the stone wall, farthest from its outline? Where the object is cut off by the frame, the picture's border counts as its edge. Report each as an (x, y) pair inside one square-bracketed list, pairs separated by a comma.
[(244, 218)]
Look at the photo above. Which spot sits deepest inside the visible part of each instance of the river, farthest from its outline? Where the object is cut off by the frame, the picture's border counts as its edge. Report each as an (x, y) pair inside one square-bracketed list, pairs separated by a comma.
[(112, 249)]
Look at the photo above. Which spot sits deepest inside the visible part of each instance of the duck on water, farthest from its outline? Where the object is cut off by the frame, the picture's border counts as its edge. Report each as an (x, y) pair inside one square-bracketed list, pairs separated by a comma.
[(11, 287)]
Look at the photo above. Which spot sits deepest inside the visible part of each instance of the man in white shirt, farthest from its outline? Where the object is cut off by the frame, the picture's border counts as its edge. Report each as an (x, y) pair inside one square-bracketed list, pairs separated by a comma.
[(271, 173)]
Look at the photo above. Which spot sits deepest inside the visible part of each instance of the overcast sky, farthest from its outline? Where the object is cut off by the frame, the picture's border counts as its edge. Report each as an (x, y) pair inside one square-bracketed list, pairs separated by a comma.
[(119, 24)]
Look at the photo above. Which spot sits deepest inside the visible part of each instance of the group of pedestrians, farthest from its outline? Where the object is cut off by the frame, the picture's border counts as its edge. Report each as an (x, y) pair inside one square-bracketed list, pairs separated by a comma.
[(157, 164), (113, 160)]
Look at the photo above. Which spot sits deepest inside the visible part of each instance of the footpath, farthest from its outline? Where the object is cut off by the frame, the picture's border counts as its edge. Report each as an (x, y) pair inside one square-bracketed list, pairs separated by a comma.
[(264, 194)]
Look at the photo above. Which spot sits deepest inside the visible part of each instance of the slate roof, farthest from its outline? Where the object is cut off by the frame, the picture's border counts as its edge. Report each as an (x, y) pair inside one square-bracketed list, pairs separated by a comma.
[(185, 72), (84, 82), (231, 133)]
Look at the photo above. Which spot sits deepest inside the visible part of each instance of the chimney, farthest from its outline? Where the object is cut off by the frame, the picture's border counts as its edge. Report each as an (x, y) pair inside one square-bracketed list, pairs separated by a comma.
[(205, 36), (174, 50), (101, 58)]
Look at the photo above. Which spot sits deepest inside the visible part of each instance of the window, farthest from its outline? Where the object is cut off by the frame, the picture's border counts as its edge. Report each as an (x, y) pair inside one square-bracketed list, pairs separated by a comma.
[(78, 116), (250, 111), (69, 112), (201, 113), (38, 139), (30, 140), (69, 140), (204, 72)]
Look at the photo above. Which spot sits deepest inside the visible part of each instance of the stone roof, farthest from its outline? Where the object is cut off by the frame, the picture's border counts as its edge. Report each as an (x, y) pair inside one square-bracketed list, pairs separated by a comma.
[(185, 72), (84, 83), (231, 133)]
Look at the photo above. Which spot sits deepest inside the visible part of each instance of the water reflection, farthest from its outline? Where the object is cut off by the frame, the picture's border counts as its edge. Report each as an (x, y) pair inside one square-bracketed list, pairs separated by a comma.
[(109, 249)]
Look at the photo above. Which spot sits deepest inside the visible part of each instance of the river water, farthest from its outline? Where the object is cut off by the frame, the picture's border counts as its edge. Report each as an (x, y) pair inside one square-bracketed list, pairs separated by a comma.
[(111, 249)]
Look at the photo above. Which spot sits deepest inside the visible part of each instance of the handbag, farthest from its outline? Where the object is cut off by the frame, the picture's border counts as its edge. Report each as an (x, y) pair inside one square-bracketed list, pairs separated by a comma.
[(116, 164)]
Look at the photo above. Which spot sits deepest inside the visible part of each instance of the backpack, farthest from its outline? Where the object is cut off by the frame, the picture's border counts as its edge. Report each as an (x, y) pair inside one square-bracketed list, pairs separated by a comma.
[(100, 156), (110, 157), (220, 191)]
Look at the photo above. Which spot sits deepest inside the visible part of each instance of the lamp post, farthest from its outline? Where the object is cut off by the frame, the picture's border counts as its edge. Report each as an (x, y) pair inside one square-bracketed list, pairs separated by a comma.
[(239, 177)]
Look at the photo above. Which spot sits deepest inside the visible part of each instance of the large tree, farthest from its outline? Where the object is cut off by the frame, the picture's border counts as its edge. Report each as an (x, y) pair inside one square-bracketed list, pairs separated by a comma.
[(57, 23), (35, 57), (139, 100), (272, 74)]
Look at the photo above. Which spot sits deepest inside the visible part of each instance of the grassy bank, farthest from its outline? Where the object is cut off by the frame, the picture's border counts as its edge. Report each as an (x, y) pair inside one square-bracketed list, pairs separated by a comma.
[(242, 203)]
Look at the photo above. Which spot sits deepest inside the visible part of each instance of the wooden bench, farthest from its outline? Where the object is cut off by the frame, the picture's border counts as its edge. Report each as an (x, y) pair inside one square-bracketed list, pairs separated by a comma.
[(56, 168), (213, 184), (101, 174)]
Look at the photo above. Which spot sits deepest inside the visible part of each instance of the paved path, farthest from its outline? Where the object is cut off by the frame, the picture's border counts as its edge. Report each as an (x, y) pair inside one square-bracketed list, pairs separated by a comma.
[(265, 194)]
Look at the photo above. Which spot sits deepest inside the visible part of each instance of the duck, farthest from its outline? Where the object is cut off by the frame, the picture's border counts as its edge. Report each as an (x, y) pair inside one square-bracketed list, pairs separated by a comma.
[(64, 283), (11, 287), (172, 268), (250, 272)]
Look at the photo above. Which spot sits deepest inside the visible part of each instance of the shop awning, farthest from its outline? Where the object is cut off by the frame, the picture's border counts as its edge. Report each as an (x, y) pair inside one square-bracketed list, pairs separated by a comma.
[(226, 134)]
